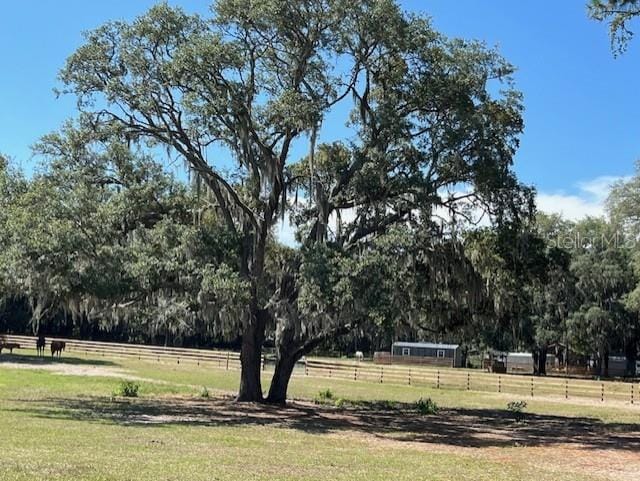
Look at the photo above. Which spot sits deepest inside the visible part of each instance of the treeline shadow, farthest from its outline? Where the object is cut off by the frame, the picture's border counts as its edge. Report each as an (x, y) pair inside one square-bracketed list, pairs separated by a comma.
[(32, 360), (475, 428)]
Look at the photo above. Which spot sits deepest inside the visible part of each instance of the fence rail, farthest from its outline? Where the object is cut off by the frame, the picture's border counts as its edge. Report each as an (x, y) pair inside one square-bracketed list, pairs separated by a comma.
[(226, 359), (414, 375), (472, 380)]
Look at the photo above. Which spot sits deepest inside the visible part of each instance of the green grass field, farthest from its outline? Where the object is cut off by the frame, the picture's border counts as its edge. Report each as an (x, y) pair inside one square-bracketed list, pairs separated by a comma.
[(60, 421)]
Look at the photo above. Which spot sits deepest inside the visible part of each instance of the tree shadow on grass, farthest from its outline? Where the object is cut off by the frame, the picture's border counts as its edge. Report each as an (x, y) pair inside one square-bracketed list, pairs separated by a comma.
[(36, 361), (473, 428)]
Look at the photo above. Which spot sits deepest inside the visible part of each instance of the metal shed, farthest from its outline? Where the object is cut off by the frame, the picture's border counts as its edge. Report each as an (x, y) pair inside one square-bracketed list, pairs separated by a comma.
[(427, 353), (522, 362), (617, 366)]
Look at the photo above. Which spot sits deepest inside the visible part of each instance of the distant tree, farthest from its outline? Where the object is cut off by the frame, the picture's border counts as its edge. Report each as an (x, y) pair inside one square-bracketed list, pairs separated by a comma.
[(527, 286), (553, 294), (625, 198), (623, 206), (12, 185), (602, 268), (619, 14), (102, 235)]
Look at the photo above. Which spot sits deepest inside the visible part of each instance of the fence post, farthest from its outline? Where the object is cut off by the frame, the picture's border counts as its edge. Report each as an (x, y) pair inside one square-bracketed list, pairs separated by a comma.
[(532, 387), (381, 374), (410, 380), (438, 379), (264, 362), (306, 369), (566, 389), (355, 373), (227, 361), (602, 394), (468, 381), (499, 383), (631, 392)]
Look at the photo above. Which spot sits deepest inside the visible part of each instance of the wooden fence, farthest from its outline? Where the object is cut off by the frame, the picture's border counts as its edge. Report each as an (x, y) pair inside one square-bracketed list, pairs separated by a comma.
[(222, 359), (474, 380), (427, 376)]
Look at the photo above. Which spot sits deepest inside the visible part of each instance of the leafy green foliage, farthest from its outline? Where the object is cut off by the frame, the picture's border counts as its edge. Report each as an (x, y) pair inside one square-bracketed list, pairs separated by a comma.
[(104, 234), (127, 389), (426, 407), (619, 14), (516, 408), (324, 396)]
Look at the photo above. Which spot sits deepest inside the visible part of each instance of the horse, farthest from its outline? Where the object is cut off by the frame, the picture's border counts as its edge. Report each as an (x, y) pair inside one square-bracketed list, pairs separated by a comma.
[(9, 345), (57, 347), (40, 343)]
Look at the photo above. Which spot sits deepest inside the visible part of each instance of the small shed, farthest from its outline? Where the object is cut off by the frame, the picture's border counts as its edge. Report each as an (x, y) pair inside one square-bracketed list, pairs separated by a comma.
[(519, 363), (522, 362), (427, 353), (617, 366)]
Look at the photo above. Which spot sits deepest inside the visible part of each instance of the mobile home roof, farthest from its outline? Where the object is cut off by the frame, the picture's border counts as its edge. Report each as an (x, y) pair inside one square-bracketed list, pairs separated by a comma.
[(428, 345)]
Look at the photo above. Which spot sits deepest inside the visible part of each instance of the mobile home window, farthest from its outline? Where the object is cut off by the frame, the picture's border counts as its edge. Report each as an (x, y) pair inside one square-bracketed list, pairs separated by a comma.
[(406, 351), (440, 353)]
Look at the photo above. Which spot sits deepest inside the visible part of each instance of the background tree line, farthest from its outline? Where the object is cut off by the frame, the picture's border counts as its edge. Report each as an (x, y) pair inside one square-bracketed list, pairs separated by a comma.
[(103, 244)]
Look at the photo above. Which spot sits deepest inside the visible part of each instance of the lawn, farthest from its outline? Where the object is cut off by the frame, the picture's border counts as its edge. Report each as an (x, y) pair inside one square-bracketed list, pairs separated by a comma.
[(60, 421)]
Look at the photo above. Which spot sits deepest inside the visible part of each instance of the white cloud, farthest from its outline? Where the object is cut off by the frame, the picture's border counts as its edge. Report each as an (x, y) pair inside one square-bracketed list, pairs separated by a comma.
[(588, 201), (600, 187), (571, 207)]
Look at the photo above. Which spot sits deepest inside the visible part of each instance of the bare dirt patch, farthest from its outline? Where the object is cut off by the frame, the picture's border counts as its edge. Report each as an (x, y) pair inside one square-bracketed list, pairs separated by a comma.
[(71, 369)]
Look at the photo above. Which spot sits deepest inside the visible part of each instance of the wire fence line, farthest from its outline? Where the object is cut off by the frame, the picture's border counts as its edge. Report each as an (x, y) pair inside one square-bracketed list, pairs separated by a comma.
[(426, 376)]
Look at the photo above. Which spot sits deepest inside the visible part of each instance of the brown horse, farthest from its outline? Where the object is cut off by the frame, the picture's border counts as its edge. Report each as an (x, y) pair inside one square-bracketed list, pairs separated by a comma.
[(57, 347), (40, 343), (9, 345)]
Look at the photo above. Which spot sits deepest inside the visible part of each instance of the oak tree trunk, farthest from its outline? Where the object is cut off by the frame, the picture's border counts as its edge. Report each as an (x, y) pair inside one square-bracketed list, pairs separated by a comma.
[(251, 357), (280, 381), (290, 352)]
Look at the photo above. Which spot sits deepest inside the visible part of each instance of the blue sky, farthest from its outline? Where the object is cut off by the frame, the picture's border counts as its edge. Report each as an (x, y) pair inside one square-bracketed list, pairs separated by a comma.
[(581, 116)]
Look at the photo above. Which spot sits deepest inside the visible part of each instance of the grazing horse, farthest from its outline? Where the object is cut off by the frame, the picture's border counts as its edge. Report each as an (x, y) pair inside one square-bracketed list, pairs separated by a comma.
[(9, 345), (57, 347), (40, 343)]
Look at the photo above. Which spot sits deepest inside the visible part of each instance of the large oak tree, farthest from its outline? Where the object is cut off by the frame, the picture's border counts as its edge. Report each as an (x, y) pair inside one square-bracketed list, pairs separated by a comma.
[(434, 124)]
